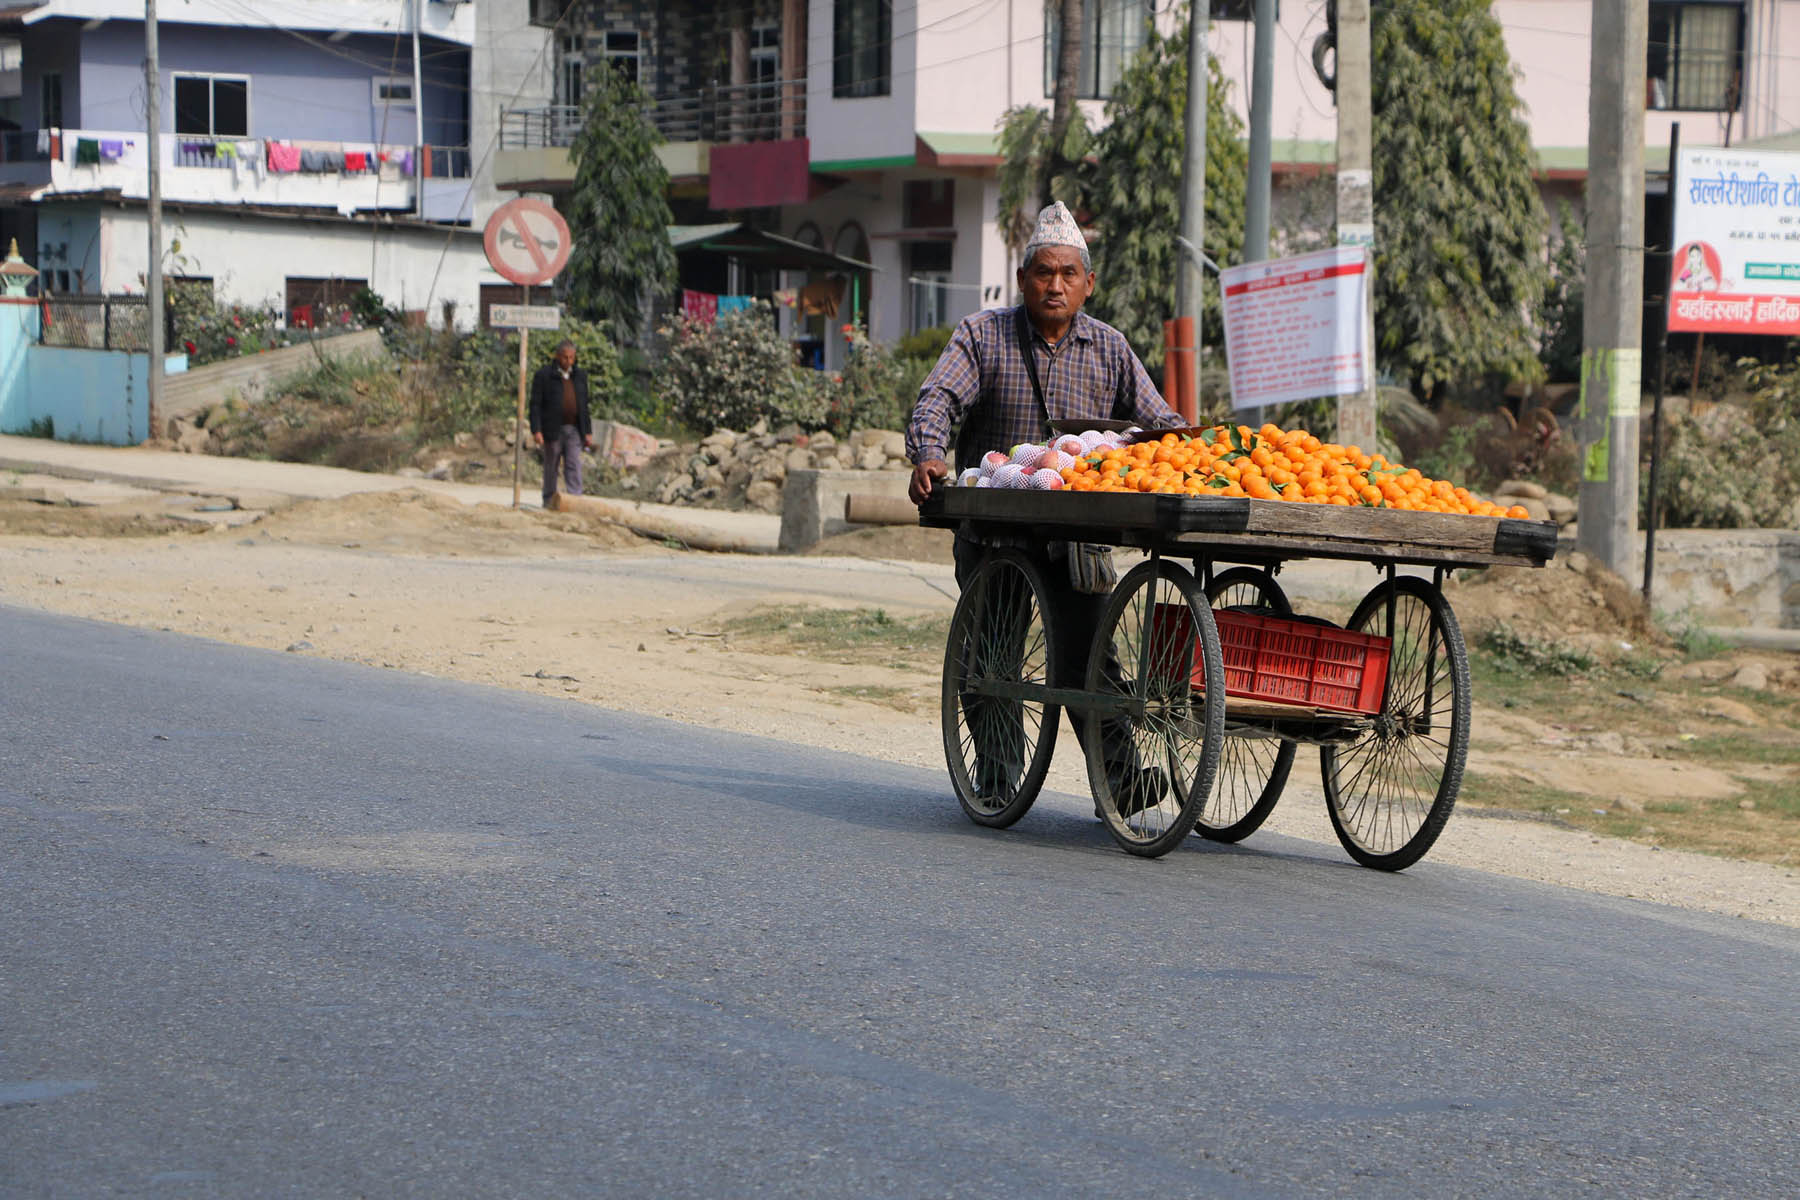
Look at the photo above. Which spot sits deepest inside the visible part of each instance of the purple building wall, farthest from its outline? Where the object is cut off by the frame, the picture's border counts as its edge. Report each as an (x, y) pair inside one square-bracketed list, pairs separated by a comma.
[(299, 89)]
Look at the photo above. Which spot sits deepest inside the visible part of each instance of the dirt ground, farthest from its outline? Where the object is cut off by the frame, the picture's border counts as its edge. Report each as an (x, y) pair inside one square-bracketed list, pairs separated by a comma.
[(411, 581)]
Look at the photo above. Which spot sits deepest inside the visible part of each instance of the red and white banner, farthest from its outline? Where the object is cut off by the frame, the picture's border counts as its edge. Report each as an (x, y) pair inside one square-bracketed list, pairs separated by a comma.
[(1737, 243), (1294, 326)]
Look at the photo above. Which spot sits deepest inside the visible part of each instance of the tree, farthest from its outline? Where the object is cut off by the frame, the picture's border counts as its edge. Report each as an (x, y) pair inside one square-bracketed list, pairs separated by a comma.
[(1559, 314), (1133, 189), (1027, 181), (618, 209), (1071, 18), (1041, 152), (1459, 227)]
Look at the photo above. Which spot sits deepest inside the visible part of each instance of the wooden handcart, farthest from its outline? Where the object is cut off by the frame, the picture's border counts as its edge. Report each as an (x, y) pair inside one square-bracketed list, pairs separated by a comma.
[(1168, 752)]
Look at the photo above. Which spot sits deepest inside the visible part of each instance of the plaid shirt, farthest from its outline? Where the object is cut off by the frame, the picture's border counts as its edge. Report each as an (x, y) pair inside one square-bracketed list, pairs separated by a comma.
[(981, 383)]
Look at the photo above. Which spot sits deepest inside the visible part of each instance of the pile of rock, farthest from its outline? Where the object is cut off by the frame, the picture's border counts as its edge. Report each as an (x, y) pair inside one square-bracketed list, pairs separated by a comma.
[(729, 468), (1536, 499)]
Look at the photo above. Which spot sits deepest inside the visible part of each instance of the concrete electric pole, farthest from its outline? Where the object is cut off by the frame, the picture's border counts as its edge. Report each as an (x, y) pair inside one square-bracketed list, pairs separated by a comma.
[(153, 277), (1189, 273), (1262, 118), (1356, 197), (1612, 325)]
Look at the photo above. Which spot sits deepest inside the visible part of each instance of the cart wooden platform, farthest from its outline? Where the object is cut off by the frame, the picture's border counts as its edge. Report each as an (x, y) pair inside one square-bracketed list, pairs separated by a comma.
[(1168, 752)]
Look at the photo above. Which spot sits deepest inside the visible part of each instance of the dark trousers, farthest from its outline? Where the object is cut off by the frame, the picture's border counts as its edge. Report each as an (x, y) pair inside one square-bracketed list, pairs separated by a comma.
[(562, 451), (1077, 617)]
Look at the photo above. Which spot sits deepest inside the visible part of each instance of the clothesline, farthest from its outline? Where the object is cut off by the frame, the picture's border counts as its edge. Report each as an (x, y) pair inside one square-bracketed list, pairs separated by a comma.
[(272, 156)]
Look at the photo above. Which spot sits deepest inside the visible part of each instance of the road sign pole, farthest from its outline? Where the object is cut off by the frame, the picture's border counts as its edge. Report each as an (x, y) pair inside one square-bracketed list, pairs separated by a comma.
[(519, 424)]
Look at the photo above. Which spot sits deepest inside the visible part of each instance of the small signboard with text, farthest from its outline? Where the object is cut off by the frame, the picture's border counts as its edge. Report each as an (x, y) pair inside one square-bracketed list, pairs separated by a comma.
[(1736, 264), (525, 316), (1294, 326)]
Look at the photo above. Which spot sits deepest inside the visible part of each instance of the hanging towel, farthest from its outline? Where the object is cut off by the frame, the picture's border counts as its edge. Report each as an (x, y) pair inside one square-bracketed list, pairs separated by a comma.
[(700, 306), (43, 141), (112, 149), (87, 150), (731, 304), (250, 162), (355, 160), (283, 157)]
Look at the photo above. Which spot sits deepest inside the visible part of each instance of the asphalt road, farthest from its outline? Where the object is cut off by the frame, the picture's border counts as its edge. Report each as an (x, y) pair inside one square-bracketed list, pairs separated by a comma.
[(284, 927)]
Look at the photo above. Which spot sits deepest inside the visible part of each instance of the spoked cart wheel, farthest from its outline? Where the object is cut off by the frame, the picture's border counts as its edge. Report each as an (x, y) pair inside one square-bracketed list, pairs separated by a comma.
[(999, 731), (1253, 765), (1156, 690), (1390, 791)]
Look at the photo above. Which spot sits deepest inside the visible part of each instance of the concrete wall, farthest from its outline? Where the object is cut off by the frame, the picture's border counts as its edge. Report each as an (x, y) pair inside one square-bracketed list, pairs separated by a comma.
[(508, 68), (89, 395), (1727, 577), (200, 388)]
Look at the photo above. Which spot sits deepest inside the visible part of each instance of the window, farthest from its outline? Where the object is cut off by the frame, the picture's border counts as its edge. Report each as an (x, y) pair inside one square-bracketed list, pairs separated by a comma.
[(568, 71), (928, 203), (1696, 56), (928, 283), (862, 33), (215, 106), (392, 91), (765, 52), (546, 12), (1113, 33), (50, 114), (624, 53), (1239, 10)]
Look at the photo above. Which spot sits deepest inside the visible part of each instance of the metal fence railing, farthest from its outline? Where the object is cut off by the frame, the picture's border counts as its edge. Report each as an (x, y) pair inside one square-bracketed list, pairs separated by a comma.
[(748, 112), (96, 322)]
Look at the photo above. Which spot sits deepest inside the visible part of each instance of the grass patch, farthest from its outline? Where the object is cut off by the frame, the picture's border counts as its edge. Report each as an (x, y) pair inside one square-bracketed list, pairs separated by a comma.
[(901, 699), (851, 636), (1508, 650)]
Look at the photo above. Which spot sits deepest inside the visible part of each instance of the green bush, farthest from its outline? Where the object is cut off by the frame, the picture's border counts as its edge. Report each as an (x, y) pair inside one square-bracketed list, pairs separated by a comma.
[(736, 371), (209, 333), (877, 387), (1732, 465)]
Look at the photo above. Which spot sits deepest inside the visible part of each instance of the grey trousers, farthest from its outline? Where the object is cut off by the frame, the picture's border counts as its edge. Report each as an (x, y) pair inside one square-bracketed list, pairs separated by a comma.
[(562, 451), (1079, 614)]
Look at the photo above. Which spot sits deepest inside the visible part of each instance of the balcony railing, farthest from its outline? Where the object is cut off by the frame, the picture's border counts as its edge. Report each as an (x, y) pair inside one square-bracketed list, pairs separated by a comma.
[(748, 112), (346, 176)]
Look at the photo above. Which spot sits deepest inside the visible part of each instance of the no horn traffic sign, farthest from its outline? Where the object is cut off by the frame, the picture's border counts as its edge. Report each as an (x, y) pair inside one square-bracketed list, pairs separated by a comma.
[(527, 241)]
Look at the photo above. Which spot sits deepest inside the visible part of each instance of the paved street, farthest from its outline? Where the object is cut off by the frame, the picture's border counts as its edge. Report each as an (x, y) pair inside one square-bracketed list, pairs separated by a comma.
[(283, 926)]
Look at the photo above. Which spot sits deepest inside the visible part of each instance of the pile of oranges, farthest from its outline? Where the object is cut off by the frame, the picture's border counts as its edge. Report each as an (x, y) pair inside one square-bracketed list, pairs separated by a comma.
[(1270, 464)]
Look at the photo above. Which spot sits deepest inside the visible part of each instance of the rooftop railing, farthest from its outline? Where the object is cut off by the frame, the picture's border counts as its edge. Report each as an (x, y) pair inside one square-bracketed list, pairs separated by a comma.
[(749, 112)]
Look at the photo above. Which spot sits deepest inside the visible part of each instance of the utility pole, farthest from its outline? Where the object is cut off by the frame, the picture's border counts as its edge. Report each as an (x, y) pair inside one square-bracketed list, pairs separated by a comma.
[(1190, 273), (1356, 425), (1612, 325), (153, 278), (1262, 105), (1190, 277), (418, 96)]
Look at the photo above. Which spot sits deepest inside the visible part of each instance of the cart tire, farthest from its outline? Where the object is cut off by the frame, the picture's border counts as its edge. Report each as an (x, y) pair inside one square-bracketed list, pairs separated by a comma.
[(1148, 631), (1390, 792), (999, 749), (1252, 770)]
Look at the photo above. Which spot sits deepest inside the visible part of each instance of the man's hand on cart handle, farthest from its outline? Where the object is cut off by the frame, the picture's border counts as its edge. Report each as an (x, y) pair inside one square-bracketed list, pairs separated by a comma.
[(924, 476)]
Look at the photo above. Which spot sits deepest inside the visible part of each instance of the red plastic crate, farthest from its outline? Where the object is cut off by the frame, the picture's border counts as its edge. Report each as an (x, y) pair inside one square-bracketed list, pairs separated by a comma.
[(1289, 661)]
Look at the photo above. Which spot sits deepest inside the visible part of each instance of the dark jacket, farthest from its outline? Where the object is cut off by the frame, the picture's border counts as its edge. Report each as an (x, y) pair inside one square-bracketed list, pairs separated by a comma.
[(547, 400)]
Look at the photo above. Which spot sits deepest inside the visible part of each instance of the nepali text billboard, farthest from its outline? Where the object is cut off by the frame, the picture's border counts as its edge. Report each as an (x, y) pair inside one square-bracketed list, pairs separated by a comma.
[(1737, 243)]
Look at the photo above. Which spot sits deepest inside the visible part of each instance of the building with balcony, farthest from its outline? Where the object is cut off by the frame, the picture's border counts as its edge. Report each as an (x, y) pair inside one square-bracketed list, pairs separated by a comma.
[(869, 129), (306, 150)]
